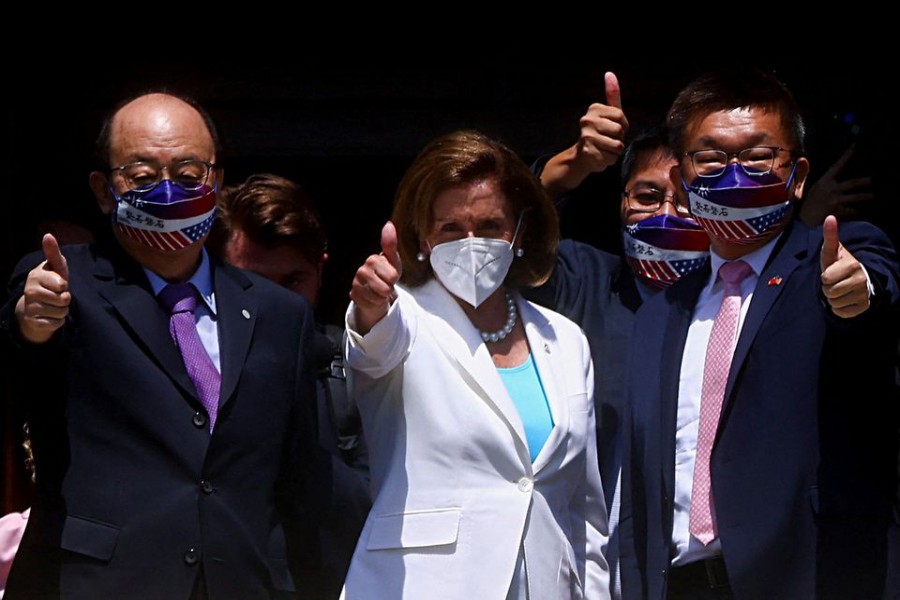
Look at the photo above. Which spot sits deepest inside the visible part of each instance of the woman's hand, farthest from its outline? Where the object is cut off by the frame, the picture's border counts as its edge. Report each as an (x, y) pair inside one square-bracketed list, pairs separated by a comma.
[(372, 290)]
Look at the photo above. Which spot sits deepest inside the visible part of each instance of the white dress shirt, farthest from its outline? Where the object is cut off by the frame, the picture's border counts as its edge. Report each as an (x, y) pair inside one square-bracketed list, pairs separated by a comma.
[(687, 548)]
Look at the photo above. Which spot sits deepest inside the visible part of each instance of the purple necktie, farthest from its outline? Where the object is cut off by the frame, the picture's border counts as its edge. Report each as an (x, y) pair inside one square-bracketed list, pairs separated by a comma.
[(180, 300), (719, 350)]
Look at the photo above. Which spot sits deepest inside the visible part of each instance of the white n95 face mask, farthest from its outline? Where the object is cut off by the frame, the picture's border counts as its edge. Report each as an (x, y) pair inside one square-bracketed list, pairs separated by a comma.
[(472, 268)]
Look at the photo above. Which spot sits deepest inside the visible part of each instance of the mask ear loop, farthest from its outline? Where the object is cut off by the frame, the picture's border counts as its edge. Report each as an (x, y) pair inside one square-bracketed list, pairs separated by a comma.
[(790, 179), (518, 226)]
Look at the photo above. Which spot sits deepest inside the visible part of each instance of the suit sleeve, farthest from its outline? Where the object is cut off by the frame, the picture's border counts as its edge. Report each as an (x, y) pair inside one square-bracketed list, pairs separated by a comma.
[(299, 501), (386, 345), (871, 247)]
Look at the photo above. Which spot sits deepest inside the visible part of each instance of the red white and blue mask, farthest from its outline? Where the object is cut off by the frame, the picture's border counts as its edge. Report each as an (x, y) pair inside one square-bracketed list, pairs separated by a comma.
[(739, 208), (167, 217), (663, 248)]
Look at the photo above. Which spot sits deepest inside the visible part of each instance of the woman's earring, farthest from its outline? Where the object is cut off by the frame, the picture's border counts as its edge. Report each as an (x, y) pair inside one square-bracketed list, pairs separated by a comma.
[(520, 252), (420, 257)]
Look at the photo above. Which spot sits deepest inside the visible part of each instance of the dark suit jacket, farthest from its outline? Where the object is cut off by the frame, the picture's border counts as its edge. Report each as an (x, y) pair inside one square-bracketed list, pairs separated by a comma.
[(135, 496), (597, 290), (343, 483), (803, 466)]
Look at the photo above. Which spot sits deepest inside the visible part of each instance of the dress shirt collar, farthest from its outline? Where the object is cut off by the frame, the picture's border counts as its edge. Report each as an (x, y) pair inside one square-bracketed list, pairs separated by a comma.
[(756, 259), (202, 280)]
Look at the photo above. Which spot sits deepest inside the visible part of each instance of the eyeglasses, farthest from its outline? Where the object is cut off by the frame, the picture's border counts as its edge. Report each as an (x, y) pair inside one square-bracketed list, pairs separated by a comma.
[(647, 199), (758, 160), (144, 176)]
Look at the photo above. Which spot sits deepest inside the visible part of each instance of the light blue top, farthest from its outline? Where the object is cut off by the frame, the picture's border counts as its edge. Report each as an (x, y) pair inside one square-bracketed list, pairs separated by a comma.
[(524, 386)]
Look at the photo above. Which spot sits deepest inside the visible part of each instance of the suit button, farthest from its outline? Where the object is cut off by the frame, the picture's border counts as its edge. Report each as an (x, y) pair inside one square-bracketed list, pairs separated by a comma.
[(199, 419), (191, 557), (525, 485), (206, 486)]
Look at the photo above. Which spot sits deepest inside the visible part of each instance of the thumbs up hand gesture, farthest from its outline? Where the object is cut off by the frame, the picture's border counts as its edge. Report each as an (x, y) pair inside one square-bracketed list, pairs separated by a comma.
[(603, 129), (372, 290), (600, 142), (844, 282), (44, 305)]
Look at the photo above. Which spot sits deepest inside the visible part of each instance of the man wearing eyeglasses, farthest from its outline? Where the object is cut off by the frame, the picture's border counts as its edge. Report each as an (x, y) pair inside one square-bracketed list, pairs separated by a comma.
[(750, 471), (601, 291), (162, 473)]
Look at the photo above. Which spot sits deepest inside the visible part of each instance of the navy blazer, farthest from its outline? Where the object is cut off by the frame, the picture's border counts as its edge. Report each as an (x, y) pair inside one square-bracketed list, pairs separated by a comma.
[(803, 465), (598, 291), (134, 496)]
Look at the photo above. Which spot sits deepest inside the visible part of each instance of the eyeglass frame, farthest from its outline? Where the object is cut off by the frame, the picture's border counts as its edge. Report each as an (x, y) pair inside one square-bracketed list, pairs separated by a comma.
[(680, 209), (729, 155), (210, 167)]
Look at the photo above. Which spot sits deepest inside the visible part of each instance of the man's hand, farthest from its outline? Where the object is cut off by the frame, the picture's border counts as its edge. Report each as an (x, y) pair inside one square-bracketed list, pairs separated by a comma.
[(844, 281), (44, 305), (828, 196), (601, 142)]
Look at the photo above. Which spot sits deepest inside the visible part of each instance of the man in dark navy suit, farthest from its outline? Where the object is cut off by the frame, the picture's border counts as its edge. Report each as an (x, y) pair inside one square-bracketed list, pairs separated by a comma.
[(781, 488), (152, 481)]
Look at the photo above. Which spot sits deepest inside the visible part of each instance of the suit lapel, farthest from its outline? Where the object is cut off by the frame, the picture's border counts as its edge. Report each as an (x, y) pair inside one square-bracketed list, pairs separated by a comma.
[(236, 310), (682, 300), (548, 361), (460, 341), (127, 290), (786, 257)]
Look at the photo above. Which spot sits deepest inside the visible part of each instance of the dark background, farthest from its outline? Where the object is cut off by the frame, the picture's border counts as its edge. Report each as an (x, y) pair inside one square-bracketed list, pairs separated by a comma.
[(346, 131)]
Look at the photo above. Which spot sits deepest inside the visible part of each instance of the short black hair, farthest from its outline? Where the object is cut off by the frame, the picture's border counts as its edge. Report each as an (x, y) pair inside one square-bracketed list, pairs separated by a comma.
[(728, 89), (650, 139)]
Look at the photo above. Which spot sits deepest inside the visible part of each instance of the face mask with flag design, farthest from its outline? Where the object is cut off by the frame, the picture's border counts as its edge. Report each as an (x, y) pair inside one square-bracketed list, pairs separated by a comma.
[(663, 248), (739, 208), (167, 217)]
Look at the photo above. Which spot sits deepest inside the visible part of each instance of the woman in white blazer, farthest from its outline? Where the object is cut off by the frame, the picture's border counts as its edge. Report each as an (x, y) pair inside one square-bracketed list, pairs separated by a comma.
[(476, 404)]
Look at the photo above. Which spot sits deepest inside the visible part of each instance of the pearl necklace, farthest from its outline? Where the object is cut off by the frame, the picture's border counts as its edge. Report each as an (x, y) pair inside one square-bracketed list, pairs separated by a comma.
[(511, 317)]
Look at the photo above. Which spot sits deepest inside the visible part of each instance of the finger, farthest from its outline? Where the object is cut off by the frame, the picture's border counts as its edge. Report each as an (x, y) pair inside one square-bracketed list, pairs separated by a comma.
[(840, 163), (830, 242), (859, 198), (613, 91), (389, 246), (56, 262), (848, 301), (851, 310), (854, 184)]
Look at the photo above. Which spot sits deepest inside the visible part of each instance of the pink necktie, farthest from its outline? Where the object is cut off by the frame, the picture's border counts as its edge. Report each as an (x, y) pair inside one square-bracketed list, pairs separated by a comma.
[(715, 375), (181, 301)]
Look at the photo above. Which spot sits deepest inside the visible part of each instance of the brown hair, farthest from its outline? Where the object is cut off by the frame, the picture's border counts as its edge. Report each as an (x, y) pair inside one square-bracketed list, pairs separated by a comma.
[(271, 211), (462, 158)]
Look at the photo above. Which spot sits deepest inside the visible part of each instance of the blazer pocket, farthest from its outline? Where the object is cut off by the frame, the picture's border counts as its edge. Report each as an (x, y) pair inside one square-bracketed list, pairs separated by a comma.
[(415, 529), (579, 402), (90, 538)]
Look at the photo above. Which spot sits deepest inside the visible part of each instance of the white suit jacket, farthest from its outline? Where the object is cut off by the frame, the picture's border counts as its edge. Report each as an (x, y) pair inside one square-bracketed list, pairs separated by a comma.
[(456, 495)]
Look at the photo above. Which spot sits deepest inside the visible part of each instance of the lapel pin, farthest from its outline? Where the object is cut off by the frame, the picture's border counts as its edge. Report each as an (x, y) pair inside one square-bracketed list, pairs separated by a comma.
[(246, 312), (775, 280), (546, 347)]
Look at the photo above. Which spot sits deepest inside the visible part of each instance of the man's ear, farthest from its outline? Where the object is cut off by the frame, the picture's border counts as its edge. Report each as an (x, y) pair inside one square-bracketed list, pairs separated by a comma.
[(801, 172), (100, 186), (220, 177), (678, 184)]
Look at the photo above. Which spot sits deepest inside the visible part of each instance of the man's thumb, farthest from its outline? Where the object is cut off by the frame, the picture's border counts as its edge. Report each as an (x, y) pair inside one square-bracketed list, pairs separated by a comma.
[(56, 262), (830, 242)]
